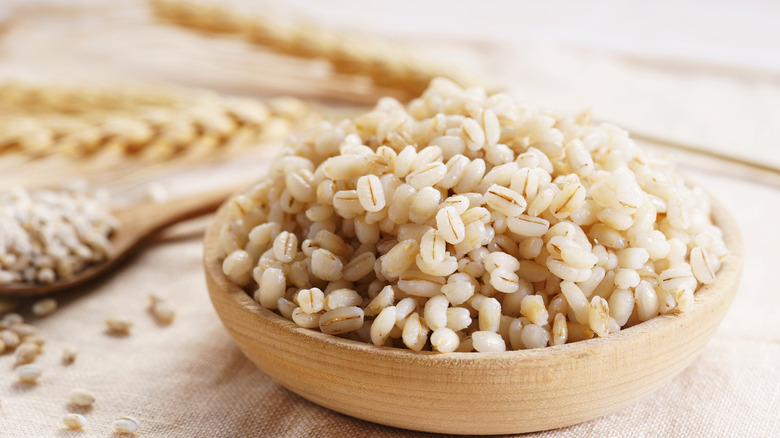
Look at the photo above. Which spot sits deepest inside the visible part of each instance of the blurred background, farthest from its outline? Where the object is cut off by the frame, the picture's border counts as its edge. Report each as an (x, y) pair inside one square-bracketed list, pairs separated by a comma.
[(699, 74)]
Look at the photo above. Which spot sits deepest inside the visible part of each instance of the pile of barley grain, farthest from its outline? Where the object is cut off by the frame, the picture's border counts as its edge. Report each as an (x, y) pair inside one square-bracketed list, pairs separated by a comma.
[(46, 235), (466, 222)]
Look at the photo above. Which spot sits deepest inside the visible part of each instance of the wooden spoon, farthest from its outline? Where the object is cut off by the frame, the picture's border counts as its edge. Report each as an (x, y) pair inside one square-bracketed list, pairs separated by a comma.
[(137, 223)]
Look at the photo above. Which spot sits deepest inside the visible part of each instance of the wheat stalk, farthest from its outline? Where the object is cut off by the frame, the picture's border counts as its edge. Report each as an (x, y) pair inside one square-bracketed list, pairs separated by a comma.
[(385, 64), (42, 120), (60, 98)]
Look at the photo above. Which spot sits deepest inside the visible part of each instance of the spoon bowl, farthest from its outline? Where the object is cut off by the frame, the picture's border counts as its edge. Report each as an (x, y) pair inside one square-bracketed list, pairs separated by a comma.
[(474, 393), (136, 224)]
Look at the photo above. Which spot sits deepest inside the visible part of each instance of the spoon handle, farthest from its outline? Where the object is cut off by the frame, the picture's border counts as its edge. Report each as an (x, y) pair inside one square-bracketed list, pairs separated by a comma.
[(149, 217)]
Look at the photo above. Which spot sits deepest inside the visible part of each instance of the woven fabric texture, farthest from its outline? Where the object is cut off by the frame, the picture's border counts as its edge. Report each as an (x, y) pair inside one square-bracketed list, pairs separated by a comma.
[(189, 379)]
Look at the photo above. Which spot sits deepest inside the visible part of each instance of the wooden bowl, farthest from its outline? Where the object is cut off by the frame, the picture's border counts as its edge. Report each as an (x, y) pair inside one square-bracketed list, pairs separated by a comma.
[(474, 393)]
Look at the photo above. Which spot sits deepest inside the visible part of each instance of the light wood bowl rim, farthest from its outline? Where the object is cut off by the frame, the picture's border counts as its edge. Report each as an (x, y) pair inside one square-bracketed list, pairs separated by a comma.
[(721, 292)]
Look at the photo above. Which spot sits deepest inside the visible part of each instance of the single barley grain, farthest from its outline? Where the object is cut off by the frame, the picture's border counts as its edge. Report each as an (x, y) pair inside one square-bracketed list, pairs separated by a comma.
[(341, 320), (28, 373), (125, 425), (10, 338), (119, 324), (27, 352), (489, 315), (74, 421), (305, 320), (560, 331), (415, 332), (44, 307), (444, 340), (621, 304), (69, 355), (435, 312), (81, 397), (533, 308), (598, 316), (488, 342), (310, 300), (534, 336), (382, 325)]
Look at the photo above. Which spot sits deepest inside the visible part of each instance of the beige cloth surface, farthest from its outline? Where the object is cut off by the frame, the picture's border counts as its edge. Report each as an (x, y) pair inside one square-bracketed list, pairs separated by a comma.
[(190, 380)]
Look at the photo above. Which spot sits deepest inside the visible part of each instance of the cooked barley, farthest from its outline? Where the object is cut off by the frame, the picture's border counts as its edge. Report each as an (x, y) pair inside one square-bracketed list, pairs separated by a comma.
[(627, 279), (504, 280), (310, 300), (400, 258), (502, 260), (505, 200), (339, 298), (621, 304), (567, 272), (125, 425), (457, 292), (489, 315), (285, 247), (576, 300), (560, 330), (24, 330), (677, 277), (370, 193), (462, 213), (119, 324), (684, 299), (305, 320), (28, 373), (444, 340), (414, 282), (534, 336), (385, 298), (598, 316), (44, 307), (49, 235), (162, 311), (325, 265), (27, 352), (341, 320), (435, 312), (10, 338), (286, 307), (632, 258), (702, 265), (81, 397), (238, 267), (69, 355), (403, 309), (271, 287), (458, 318), (415, 332), (74, 421), (488, 342), (533, 308), (382, 325)]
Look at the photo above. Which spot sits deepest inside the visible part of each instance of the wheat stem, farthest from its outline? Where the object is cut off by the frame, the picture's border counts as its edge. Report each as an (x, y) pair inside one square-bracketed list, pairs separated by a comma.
[(39, 121), (385, 64)]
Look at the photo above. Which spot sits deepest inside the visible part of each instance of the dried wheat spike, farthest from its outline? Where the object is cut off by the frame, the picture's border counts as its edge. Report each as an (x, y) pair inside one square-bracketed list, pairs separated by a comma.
[(196, 124), (17, 96), (385, 64)]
